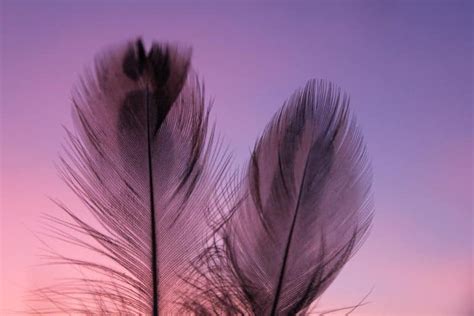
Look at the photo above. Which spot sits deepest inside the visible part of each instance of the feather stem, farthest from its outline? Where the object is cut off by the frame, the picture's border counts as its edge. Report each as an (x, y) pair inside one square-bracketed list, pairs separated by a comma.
[(287, 247), (152, 211)]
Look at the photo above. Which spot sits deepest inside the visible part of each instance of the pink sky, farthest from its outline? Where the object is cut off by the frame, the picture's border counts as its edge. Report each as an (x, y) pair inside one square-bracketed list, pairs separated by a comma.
[(407, 65)]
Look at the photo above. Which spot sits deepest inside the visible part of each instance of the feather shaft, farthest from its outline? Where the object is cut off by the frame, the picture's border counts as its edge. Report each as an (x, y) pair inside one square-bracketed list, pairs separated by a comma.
[(154, 255), (287, 247)]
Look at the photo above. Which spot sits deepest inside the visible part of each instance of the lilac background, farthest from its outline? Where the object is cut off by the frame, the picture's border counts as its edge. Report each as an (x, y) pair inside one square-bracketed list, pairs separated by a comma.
[(407, 65)]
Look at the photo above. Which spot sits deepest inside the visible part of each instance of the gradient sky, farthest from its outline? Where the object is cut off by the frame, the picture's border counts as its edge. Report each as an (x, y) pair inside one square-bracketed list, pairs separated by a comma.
[(408, 67)]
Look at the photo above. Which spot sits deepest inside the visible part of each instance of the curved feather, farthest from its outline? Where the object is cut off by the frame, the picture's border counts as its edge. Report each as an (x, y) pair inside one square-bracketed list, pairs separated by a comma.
[(304, 209), (142, 162)]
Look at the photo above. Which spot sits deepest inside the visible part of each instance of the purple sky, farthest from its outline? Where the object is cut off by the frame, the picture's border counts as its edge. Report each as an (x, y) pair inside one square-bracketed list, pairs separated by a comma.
[(407, 65)]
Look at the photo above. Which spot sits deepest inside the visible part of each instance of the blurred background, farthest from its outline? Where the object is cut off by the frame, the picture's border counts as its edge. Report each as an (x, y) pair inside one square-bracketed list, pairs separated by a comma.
[(408, 66)]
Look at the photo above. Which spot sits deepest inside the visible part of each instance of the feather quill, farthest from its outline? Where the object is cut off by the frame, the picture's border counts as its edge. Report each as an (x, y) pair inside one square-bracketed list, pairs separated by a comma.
[(303, 209), (143, 163)]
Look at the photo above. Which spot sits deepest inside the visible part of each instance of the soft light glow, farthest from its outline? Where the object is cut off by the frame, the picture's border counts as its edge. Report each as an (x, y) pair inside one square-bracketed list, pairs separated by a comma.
[(407, 65)]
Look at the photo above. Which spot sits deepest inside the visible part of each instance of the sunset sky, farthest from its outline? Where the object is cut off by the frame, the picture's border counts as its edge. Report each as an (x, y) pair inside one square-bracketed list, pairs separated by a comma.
[(408, 66)]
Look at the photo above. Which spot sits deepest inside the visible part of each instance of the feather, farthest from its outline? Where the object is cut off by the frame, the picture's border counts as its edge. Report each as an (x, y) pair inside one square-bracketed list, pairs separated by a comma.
[(164, 236), (299, 212), (143, 163)]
